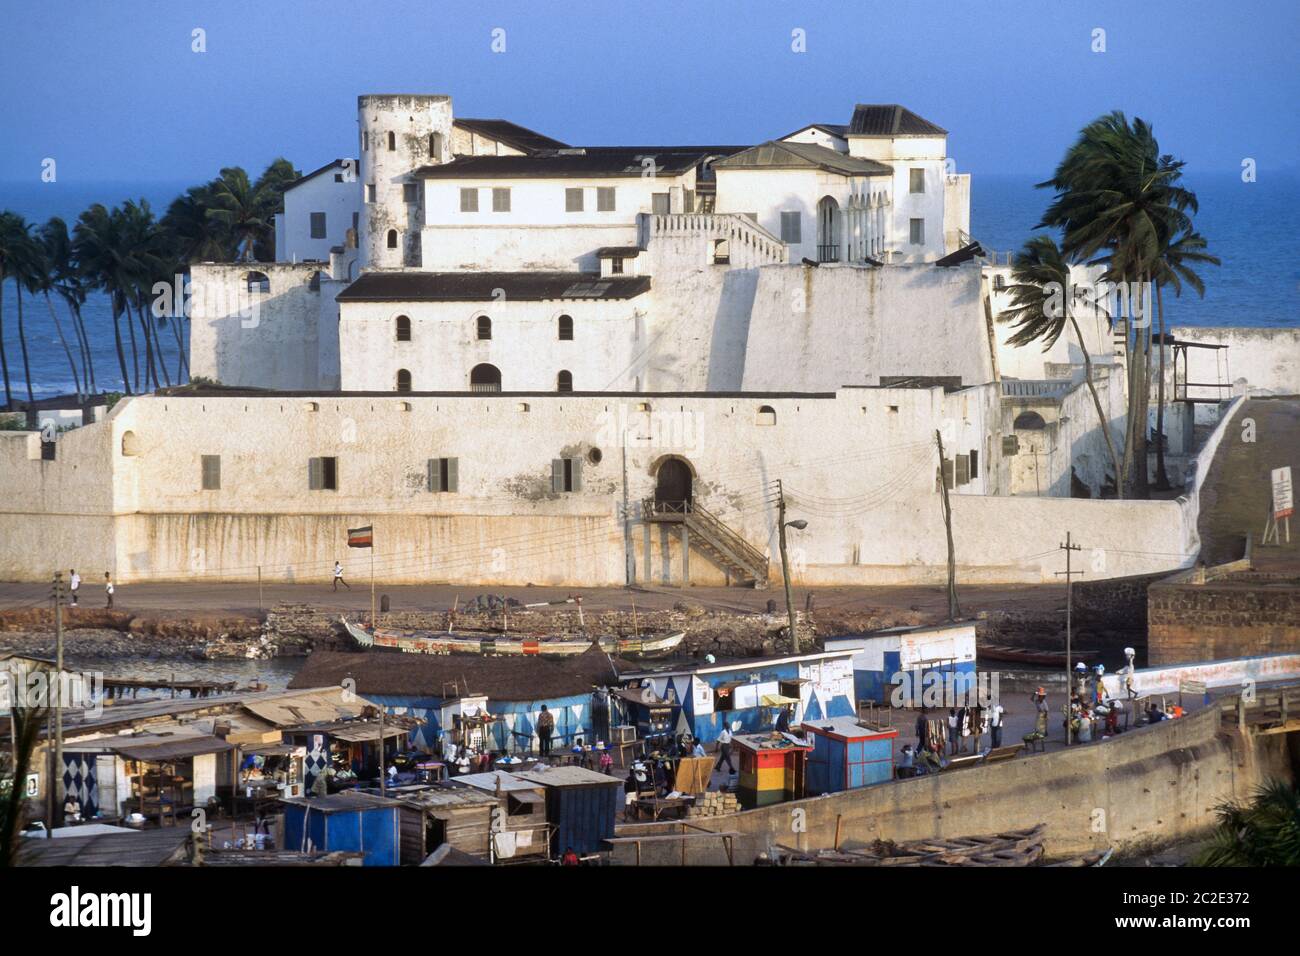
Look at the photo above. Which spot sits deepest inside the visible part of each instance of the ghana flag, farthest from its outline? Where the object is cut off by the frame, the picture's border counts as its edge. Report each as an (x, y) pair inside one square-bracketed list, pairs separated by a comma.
[(361, 537)]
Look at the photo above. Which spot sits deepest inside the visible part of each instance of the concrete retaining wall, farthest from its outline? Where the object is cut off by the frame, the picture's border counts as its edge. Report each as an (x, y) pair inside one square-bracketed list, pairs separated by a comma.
[(1159, 783)]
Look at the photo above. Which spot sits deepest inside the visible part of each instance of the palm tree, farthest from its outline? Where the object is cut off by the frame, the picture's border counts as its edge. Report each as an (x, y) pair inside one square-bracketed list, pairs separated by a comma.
[(238, 207), (191, 235), (24, 265), (1264, 832), (10, 240), (69, 287), (25, 730), (1173, 268), (96, 245), (43, 280), (1117, 201), (142, 263), (1041, 299)]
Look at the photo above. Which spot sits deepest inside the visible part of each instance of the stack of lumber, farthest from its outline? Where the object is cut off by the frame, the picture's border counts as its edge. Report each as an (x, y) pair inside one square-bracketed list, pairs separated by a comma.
[(714, 804)]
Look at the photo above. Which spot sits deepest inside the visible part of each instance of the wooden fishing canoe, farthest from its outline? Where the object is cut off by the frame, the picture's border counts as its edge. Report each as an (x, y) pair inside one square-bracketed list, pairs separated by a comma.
[(502, 644)]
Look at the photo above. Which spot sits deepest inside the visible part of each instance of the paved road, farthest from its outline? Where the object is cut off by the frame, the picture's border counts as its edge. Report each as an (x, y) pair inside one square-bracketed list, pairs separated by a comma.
[(164, 599)]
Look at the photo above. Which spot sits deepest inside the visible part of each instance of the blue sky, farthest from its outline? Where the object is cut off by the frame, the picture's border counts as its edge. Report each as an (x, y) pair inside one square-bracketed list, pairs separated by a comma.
[(113, 92)]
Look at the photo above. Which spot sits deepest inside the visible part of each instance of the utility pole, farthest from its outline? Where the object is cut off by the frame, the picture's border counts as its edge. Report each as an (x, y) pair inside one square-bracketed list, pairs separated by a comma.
[(57, 817), (954, 610), (785, 567), (1068, 547)]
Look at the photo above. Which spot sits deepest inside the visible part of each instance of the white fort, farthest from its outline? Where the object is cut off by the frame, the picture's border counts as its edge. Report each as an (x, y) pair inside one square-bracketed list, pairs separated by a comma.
[(524, 361)]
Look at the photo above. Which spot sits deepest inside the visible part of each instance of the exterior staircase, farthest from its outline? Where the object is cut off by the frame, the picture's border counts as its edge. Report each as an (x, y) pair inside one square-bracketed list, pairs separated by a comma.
[(723, 546)]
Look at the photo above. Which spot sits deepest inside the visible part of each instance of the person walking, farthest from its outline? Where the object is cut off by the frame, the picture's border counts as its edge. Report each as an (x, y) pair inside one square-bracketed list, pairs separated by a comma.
[(954, 730), (724, 750), (995, 725), (1040, 706), (921, 720), (74, 585), (108, 588), (338, 577), (545, 727)]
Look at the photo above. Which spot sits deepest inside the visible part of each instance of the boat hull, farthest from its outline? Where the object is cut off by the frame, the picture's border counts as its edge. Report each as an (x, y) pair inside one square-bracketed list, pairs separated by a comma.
[(433, 642)]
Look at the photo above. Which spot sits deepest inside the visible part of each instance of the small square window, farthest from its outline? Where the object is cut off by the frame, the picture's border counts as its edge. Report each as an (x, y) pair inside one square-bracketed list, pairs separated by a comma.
[(916, 180), (917, 232), (469, 200), (318, 225), (660, 204), (616, 267), (323, 474), (443, 474), (573, 200), (604, 198), (500, 199), (211, 472)]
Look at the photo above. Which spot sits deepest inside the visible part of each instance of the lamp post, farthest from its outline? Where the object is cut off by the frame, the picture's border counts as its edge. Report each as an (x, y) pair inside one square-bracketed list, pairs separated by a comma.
[(798, 524)]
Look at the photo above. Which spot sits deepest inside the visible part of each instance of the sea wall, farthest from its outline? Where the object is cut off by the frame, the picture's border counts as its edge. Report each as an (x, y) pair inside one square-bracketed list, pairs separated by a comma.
[(1158, 783)]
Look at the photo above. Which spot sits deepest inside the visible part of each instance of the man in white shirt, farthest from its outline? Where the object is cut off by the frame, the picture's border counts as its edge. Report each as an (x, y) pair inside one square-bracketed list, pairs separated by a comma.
[(995, 724), (74, 584), (338, 577), (724, 750)]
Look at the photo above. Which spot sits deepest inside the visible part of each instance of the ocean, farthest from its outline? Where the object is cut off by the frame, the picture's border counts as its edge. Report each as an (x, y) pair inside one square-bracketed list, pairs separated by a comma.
[(1248, 226)]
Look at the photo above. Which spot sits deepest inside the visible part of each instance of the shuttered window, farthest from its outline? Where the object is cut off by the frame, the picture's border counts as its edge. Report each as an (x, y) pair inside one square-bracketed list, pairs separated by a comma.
[(573, 200), (1010, 445), (916, 180), (974, 464), (604, 198), (501, 199), (211, 472), (469, 200), (443, 474), (318, 225), (917, 235), (323, 474), (566, 474), (791, 227), (660, 204), (963, 470)]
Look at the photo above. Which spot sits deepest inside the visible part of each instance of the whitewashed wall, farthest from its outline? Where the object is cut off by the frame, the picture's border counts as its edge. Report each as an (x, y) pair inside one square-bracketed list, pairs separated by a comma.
[(339, 201)]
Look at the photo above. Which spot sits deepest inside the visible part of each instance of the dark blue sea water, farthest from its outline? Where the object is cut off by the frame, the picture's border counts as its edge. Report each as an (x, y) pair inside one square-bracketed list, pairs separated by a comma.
[(1250, 226)]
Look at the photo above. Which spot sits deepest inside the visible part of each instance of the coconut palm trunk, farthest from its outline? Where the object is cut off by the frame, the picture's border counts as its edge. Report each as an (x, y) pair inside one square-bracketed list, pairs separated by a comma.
[(1162, 475), (22, 343), (88, 360), (58, 327), (4, 359), (1102, 418), (121, 350)]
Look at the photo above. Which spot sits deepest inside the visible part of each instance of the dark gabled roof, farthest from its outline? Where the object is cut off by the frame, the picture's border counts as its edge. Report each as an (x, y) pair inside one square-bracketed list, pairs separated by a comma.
[(336, 164), (890, 119), (512, 134), (483, 286), (835, 129), (618, 252), (578, 162), (779, 155), (391, 673)]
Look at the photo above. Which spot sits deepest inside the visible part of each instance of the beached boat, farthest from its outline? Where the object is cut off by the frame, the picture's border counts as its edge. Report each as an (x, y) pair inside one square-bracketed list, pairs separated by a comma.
[(502, 643)]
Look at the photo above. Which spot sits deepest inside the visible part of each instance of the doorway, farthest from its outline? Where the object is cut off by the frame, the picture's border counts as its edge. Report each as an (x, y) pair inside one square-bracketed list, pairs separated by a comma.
[(673, 485)]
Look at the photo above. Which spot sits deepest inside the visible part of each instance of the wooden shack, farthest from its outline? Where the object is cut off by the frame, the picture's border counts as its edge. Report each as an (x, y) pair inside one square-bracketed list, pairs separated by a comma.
[(460, 817), (351, 821), (772, 768), (581, 806), (847, 754), (520, 828)]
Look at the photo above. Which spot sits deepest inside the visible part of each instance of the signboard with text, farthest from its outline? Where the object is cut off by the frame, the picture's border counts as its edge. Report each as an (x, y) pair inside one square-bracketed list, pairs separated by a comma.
[(1283, 503)]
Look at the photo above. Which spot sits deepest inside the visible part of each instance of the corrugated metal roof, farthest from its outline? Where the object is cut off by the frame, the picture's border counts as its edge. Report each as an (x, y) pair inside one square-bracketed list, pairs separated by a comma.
[(153, 750), (342, 802), (484, 286), (579, 162), (568, 777), (778, 155), (890, 119), (512, 134)]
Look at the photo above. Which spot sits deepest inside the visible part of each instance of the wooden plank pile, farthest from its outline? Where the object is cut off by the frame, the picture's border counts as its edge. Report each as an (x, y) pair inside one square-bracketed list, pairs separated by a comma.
[(1010, 848)]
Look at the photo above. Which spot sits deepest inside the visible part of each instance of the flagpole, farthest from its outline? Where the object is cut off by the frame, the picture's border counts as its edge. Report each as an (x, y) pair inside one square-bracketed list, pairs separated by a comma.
[(373, 623)]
